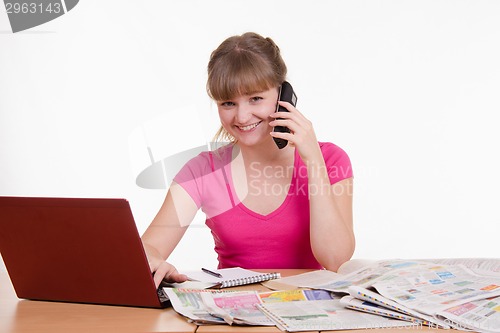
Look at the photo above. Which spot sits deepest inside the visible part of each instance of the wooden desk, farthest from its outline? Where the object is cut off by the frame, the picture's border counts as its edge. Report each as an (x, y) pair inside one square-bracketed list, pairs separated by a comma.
[(36, 316)]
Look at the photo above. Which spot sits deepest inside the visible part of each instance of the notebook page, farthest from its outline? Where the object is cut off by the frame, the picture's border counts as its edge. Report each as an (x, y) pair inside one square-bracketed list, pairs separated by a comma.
[(228, 274)]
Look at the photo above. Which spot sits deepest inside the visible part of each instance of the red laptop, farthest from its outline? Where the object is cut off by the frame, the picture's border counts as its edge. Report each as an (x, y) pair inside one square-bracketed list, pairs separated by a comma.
[(76, 250)]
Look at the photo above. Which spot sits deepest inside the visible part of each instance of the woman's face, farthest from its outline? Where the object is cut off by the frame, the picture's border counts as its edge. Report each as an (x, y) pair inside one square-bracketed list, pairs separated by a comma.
[(247, 118)]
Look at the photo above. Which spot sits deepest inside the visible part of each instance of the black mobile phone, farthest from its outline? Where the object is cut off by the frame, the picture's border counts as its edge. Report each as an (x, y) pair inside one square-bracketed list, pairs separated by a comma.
[(286, 94)]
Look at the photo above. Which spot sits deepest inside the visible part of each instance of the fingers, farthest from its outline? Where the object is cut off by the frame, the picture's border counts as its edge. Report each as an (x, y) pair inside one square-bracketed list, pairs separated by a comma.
[(294, 120), (169, 273), (177, 277), (289, 123), (160, 273), (301, 135)]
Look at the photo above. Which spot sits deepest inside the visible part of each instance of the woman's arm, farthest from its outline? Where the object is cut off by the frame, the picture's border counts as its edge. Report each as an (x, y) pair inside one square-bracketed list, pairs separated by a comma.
[(331, 226), (331, 218), (332, 233), (165, 232)]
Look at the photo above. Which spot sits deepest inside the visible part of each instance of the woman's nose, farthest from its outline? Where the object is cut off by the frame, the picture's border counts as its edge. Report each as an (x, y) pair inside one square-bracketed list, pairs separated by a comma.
[(243, 114)]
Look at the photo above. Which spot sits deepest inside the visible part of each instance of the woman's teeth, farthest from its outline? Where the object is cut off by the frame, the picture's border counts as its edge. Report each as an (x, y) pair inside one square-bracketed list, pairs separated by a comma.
[(249, 127)]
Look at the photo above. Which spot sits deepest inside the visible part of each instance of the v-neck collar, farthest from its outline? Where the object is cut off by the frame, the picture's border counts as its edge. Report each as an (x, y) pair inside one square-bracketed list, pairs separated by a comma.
[(247, 210)]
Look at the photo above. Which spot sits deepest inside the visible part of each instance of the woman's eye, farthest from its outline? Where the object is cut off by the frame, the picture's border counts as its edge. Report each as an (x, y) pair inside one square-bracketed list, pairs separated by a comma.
[(226, 104), (256, 98)]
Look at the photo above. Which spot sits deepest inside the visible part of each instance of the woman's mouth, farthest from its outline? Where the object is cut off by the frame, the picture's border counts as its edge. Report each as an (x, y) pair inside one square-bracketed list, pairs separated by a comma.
[(248, 127)]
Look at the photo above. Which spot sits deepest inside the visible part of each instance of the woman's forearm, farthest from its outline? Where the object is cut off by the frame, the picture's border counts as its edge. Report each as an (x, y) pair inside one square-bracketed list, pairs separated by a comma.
[(331, 229)]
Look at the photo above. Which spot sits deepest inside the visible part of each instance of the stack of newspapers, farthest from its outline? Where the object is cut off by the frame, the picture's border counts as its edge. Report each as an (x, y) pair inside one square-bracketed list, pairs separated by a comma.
[(290, 310), (462, 294)]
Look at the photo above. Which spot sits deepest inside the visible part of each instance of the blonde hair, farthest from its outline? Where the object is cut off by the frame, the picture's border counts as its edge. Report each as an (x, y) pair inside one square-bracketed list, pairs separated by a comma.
[(243, 65)]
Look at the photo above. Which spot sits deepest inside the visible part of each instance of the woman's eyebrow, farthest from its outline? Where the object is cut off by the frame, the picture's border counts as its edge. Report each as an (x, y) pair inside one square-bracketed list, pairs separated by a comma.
[(254, 93)]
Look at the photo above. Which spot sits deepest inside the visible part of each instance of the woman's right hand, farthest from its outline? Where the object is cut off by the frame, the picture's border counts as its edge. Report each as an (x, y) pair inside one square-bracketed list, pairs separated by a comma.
[(163, 271)]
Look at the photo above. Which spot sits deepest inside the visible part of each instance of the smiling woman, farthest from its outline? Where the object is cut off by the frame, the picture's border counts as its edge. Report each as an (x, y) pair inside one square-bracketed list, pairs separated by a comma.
[(246, 118), (301, 218), (244, 66)]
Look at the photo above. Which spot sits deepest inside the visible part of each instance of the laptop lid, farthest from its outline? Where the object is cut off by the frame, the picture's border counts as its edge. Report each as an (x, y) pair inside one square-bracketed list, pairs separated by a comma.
[(75, 250)]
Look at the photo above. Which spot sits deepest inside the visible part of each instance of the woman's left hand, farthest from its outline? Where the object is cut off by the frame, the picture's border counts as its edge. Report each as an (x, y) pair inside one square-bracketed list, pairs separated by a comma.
[(301, 135)]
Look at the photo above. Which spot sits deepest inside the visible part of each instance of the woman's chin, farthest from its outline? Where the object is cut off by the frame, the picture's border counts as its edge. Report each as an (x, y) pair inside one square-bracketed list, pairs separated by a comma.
[(254, 141)]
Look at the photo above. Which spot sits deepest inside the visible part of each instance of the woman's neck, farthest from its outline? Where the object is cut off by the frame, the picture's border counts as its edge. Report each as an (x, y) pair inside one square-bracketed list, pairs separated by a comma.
[(266, 153)]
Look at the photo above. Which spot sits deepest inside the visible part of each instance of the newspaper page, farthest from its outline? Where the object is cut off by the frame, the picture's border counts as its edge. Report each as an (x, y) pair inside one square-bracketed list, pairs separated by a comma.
[(364, 272), (313, 278), (354, 265), (481, 316), (482, 266), (188, 303), (241, 308), (218, 307), (234, 307), (437, 288), (369, 307), (366, 276), (324, 315), (295, 295), (366, 295), (317, 277)]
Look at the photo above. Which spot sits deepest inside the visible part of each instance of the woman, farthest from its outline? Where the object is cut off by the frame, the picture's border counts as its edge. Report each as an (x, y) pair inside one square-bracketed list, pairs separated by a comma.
[(266, 207)]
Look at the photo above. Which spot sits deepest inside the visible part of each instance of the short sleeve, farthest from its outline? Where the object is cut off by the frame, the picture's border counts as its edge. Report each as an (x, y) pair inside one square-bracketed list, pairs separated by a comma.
[(337, 162), (203, 178), (191, 177)]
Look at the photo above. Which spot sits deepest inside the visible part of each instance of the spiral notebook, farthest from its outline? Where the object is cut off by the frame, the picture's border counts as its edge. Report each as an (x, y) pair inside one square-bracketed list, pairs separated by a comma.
[(231, 277)]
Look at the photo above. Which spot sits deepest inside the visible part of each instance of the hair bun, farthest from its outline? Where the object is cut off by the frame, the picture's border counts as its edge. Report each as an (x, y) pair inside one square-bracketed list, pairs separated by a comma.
[(273, 44)]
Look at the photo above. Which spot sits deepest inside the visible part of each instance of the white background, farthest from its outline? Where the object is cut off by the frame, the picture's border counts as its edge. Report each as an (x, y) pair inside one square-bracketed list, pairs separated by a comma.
[(409, 89)]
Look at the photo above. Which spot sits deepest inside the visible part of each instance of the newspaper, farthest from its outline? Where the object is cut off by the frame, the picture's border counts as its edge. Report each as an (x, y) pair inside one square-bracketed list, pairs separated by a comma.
[(391, 293), (437, 288), (481, 316), (369, 307), (324, 315), (482, 266), (375, 303), (368, 275), (434, 292), (188, 303), (234, 307), (446, 295), (364, 273), (304, 280)]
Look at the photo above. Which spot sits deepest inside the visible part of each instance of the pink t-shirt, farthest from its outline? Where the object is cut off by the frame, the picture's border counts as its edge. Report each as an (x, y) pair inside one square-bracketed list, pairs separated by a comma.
[(245, 238)]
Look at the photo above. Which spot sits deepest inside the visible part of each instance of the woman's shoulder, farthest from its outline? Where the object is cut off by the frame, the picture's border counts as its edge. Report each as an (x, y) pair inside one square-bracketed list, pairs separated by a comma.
[(329, 148), (210, 159), (337, 161)]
